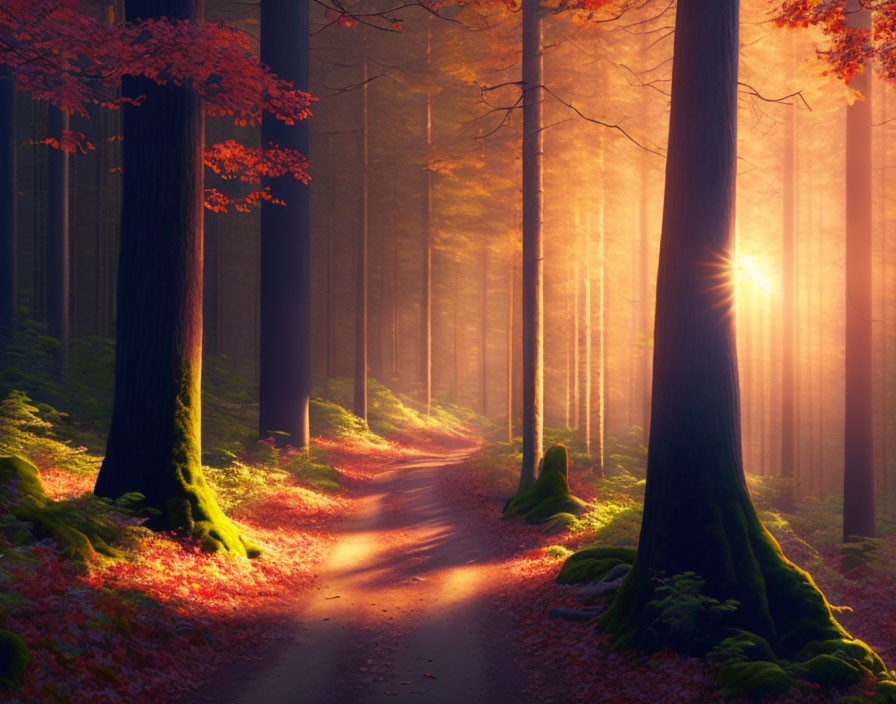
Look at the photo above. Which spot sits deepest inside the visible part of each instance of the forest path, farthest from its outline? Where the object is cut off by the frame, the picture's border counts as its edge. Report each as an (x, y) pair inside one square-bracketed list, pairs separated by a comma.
[(400, 612)]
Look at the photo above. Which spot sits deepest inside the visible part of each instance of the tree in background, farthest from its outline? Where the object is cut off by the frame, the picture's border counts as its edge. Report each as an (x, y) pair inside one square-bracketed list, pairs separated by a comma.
[(285, 320), (7, 207)]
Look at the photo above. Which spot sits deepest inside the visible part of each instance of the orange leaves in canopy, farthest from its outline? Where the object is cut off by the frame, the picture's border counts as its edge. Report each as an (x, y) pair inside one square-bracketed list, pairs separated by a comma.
[(233, 160), (851, 47)]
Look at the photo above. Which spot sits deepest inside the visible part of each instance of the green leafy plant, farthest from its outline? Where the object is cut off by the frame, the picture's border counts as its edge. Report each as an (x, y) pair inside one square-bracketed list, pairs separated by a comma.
[(683, 617)]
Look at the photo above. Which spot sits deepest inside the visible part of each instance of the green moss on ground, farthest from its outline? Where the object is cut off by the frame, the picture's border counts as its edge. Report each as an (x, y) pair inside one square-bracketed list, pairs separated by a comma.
[(14, 660), (549, 495), (590, 564), (80, 534), (759, 678)]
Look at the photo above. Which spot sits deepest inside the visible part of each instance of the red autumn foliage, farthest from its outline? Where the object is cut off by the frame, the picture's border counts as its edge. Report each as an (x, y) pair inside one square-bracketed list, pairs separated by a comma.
[(59, 53), (850, 48)]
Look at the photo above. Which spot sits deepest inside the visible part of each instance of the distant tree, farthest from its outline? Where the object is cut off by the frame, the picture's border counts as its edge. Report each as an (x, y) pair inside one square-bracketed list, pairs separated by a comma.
[(858, 463), (698, 515), (285, 321), (58, 284), (7, 207), (360, 387)]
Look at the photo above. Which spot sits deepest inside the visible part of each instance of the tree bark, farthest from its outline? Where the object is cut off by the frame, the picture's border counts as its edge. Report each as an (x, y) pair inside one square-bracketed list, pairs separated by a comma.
[(698, 515), (58, 284), (483, 331), (285, 316), (788, 388), (533, 265), (858, 467), (426, 306), (8, 208), (360, 394), (585, 341), (153, 445)]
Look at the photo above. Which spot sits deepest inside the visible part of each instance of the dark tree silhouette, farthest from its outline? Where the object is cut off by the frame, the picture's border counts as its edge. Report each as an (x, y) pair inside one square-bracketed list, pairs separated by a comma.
[(285, 321), (7, 207), (698, 515), (153, 445), (58, 283)]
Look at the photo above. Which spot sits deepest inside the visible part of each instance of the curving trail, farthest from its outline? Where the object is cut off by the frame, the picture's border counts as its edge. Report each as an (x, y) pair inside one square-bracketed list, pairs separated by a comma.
[(401, 612)]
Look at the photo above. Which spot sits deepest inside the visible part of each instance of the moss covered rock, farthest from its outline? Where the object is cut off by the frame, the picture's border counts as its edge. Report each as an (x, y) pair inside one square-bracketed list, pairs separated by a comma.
[(884, 692), (14, 659), (591, 564), (22, 478), (828, 671), (760, 678), (79, 536), (549, 495)]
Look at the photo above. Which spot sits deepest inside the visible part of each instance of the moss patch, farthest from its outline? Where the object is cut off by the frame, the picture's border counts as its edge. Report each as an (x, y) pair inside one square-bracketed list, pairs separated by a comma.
[(80, 534), (14, 659), (760, 678), (549, 495), (590, 564)]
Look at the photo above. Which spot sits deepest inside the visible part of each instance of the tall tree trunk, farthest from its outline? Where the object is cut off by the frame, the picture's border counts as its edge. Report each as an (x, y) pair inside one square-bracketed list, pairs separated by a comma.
[(360, 399), (511, 295), (533, 248), (8, 208), (329, 307), (426, 306), (153, 445), (285, 317), (454, 334), (58, 285), (598, 362), (643, 297), (585, 340), (698, 515), (858, 467), (483, 331), (576, 345), (788, 390)]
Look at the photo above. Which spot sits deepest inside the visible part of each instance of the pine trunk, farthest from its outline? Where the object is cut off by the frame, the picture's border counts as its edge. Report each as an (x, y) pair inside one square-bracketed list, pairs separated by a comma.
[(426, 306), (153, 445), (285, 316), (58, 243), (360, 393), (8, 202), (533, 265), (858, 467), (788, 389), (698, 515)]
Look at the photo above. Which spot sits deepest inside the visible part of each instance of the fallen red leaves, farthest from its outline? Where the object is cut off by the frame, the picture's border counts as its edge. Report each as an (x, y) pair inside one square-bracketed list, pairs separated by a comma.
[(149, 627)]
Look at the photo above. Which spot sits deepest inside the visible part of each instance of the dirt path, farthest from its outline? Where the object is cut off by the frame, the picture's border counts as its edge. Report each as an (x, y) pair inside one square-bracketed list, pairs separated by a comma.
[(401, 611)]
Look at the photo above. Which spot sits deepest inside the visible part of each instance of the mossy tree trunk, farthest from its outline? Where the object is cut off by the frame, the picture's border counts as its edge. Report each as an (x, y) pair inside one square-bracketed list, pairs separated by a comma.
[(533, 264), (285, 323), (7, 207), (154, 438), (698, 515)]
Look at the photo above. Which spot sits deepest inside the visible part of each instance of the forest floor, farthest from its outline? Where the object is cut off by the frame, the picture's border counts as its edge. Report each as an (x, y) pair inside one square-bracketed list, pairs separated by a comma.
[(386, 574)]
